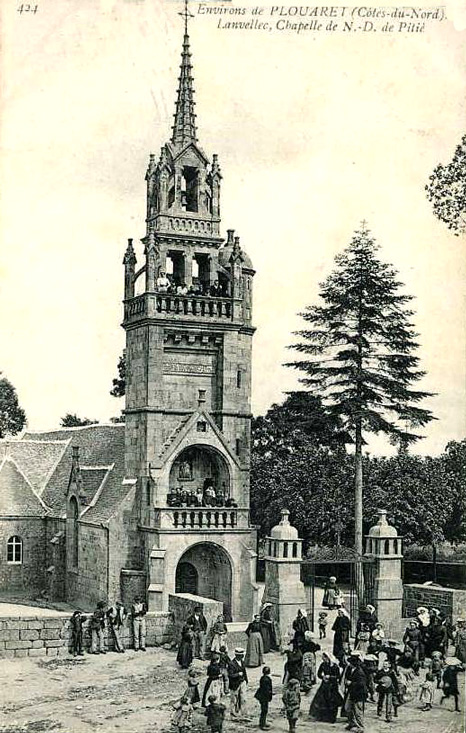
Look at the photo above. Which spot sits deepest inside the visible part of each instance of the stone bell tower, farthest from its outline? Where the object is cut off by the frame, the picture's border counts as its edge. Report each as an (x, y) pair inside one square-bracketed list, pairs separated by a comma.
[(188, 375)]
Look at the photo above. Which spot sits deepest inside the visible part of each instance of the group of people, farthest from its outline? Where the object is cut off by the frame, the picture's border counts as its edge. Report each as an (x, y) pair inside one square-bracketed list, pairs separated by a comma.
[(377, 670), (209, 495), (111, 617), (173, 286), (195, 644)]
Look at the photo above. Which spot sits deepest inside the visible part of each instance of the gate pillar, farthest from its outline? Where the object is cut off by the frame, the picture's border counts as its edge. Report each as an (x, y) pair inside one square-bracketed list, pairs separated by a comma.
[(283, 586), (384, 548)]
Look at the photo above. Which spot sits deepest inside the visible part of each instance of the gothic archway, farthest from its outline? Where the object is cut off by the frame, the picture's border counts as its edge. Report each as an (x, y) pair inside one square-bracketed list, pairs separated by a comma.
[(212, 565)]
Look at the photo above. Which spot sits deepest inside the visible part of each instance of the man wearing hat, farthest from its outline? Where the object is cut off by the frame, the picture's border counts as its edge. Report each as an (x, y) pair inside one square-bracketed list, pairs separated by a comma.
[(357, 692), (238, 679)]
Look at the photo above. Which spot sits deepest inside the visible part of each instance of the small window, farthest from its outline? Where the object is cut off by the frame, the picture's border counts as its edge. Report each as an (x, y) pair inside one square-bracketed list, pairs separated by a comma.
[(238, 446), (148, 492), (201, 426), (14, 550), (201, 397), (285, 549), (386, 547), (295, 549), (238, 378)]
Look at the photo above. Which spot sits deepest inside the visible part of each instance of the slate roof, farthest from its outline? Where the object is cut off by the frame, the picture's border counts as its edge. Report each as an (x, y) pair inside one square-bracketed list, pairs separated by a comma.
[(36, 463), (17, 497), (35, 471), (101, 457)]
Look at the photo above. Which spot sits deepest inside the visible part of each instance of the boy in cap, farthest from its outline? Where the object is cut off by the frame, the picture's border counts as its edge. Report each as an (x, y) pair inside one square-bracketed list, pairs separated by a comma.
[(76, 624), (264, 696), (97, 626), (387, 689)]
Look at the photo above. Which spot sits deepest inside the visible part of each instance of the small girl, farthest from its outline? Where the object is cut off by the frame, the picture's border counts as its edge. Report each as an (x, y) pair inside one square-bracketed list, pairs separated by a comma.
[(192, 690), (323, 624), (378, 636), (292, 703), (426, 694), (363, 637), (183, 716)]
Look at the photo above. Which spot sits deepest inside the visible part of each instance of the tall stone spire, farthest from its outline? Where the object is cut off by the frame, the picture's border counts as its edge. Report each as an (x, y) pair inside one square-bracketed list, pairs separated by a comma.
[(184, 129)]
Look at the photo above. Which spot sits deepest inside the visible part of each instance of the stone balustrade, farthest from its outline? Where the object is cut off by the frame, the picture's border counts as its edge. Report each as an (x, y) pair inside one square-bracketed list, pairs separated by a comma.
[(185, 306), (201, 518)]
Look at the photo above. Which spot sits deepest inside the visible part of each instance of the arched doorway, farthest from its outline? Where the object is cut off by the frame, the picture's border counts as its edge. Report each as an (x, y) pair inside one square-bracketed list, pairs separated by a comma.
[(187, 579), (212, 566)]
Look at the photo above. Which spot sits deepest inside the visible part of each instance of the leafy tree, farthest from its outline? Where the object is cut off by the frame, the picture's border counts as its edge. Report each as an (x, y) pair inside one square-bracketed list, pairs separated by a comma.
[(12, 416), (447, 190), (73, 421), (454, 466), (119, 383), (300, 419), (299, 461), (359, 348)]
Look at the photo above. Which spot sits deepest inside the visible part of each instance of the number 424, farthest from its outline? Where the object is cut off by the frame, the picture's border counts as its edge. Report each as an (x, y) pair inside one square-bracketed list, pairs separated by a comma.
[(27, 8)]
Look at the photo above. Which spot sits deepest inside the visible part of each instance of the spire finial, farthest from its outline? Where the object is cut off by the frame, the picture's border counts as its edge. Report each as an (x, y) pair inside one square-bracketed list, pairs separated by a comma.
[(184, 129), (186, 14)]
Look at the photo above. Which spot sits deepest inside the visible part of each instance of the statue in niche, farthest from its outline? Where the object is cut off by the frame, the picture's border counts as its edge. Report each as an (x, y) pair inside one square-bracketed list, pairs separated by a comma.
[(185, 472)]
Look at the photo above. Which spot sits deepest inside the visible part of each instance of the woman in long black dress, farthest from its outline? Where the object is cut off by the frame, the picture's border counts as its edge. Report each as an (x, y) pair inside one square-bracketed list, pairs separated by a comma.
[(341, 627), (268, 628), (327, 699), (185, 650), (300, 626)]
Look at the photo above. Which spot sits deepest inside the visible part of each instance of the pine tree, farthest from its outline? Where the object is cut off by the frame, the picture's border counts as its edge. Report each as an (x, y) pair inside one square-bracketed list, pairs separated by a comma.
[(359, 347)]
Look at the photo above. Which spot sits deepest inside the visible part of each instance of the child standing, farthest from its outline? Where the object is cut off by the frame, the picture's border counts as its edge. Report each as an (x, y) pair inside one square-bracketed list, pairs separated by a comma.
[(224, 661), (378, 636), (292, 703), (219, 638), (76, 625), (437, 667), (363, 637), (426, 694), (183, 717), (387, 688), (264, 696), (450, 681), (369, 666), (323, 620), (215, 712)]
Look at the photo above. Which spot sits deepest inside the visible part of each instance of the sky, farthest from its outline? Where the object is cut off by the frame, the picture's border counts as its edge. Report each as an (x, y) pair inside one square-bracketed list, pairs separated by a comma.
[(314, 132)]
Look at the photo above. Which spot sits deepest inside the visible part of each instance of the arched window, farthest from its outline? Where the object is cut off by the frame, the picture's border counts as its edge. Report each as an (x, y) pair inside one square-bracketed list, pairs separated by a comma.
[(386, 549), (14, 550), (295, 549), (285, 549)]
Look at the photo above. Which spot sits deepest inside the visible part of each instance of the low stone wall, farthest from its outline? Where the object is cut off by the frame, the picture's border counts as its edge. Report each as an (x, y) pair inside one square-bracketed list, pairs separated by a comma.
[(182, 605), (33, 636), (451, 601)]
